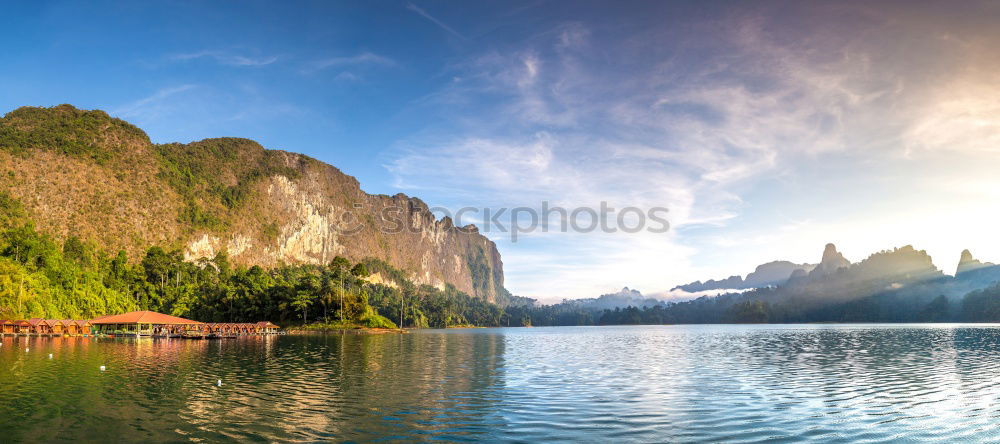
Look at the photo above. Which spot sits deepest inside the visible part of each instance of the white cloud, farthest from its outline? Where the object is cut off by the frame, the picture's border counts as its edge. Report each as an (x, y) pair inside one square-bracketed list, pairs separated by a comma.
[(961, 116), (364, 58), (421, 12), (150, 105), (724, 132), (226, 58)]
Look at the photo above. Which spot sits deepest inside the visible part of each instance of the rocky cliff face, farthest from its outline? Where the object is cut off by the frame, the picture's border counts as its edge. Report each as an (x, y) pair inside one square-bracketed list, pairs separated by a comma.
[(314, 219), (83, 173)]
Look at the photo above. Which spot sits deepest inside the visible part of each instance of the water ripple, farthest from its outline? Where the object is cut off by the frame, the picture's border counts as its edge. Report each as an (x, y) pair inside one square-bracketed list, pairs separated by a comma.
[(827, 383)]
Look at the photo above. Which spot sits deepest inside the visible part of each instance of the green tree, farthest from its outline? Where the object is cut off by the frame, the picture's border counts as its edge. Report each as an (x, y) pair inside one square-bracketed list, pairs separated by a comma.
[(748, 312), (340, 263), (359, 271), (302, 302)]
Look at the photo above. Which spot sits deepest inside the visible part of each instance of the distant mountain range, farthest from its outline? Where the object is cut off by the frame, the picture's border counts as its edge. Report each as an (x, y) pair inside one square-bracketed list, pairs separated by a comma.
[(898, 285), (902, 260), (771, 273), (625, 298)]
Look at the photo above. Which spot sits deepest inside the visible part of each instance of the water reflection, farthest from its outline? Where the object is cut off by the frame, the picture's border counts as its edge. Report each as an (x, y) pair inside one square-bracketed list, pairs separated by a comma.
[(274, 388), (690, 383)]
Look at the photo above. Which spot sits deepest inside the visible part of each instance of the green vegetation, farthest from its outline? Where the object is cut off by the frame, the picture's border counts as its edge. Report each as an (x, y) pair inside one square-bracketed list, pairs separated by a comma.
[(41, 278), (172, 193), (88, 134), (919, 303), (11, 211), (484, 278), (747, 312), (217, 175), (978, 306), (193, 215), (196, 169), (480, 270), (370, 319), (271, 231), (212, 176)]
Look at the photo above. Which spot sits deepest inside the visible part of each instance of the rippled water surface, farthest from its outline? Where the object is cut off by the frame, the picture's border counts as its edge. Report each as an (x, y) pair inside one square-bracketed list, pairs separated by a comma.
[(658, 383)]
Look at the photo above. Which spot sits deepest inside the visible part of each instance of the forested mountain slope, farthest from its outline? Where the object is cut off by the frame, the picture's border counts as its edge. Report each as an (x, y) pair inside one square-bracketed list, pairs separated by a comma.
[(87, 175)]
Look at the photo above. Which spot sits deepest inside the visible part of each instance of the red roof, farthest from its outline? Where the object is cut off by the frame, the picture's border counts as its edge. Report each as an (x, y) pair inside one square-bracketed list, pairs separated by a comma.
[(143, 317)]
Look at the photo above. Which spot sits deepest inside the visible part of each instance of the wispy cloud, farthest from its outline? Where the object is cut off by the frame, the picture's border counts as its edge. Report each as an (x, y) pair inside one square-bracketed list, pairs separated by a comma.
[(194, 111), (421, 12), (149, 105), (225, 58), (717, 130), (361, 59)]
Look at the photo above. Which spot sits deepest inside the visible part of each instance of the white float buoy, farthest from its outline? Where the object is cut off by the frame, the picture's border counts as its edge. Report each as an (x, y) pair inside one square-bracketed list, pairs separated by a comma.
[(50, 355), (220, 383), (26, 349), (102, 368)]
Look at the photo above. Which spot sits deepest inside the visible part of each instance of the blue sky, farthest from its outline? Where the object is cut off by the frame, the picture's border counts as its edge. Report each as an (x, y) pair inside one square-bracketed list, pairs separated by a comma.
[(767, 128)]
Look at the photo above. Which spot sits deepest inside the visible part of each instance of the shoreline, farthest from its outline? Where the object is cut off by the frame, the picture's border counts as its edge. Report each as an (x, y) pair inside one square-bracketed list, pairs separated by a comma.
[(346, 330)]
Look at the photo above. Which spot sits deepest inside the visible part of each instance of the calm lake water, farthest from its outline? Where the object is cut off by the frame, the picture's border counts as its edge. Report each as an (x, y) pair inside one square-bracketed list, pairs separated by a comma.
[(847, 383)]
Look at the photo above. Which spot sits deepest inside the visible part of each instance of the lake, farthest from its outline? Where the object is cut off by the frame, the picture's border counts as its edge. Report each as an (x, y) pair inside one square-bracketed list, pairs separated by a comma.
[(826, 383)]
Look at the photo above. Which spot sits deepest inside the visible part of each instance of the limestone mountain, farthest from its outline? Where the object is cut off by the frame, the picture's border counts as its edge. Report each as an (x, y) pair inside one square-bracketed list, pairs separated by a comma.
[(897, 285), (771, 273), (831, 261), (973, 274), (967, 263), (626, 297), (84, 173), (837, 277), (730, 283), (774, 273)]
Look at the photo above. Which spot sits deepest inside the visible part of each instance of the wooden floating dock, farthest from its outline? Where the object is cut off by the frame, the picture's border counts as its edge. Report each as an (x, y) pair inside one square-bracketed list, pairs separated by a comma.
[(135, 324), (45, 327)]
